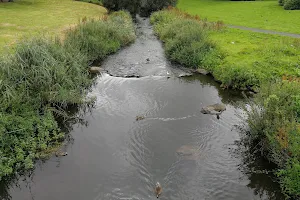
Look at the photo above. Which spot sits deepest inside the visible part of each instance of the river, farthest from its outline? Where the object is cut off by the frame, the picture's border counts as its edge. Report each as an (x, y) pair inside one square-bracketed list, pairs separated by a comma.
[(116, 157)]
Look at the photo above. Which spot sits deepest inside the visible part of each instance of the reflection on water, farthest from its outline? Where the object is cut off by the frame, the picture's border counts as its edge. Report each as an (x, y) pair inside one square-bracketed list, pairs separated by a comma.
[(113, 157)]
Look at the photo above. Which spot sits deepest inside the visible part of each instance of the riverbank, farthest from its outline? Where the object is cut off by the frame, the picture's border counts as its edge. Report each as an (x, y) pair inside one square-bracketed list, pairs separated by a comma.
[(42, 78), (25, 18), (240, 59), (237, 58), (268, 14)]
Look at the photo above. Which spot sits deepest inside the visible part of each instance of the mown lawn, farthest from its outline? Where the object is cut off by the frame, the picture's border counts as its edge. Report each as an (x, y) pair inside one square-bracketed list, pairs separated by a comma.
[(32, 17), (263, 55), (257, 14)]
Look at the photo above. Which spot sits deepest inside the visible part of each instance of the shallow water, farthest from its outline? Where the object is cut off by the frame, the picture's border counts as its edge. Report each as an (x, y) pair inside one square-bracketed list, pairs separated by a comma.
[(116, 157)]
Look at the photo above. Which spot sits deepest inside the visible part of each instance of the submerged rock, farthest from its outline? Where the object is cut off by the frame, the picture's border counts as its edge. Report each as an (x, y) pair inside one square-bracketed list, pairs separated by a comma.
[(188, 152), (61, 153), (202, 71), (138, 118), (96, 70), (215, 109)]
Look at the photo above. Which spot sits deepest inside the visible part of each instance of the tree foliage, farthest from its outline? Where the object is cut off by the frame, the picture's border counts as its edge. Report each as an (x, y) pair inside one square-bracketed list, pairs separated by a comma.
[(142, 7)]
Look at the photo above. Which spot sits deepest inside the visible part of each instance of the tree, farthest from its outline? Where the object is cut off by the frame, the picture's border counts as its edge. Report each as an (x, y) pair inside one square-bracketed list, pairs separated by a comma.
[(131, 6), (149, 6), (142, 7)]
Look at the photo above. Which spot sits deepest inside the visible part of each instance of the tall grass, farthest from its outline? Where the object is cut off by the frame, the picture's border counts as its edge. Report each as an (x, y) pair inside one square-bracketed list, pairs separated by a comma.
[(97, 39), (42, 78), (186, 38)]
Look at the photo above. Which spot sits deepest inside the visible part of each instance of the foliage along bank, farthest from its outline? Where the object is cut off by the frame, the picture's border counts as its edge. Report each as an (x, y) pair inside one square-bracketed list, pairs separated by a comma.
[(273, 129), (42, 78)]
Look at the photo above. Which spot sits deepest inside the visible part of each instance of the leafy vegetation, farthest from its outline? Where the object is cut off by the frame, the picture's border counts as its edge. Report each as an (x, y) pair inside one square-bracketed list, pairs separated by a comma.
[(142, 7), (42, 78), (268, 15), (291, 5), (274, 129)]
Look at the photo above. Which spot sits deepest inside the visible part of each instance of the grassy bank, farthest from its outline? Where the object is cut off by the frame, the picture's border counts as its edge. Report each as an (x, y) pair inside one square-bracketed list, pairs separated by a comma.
[(236, 58), (42, 78), (23, 18), (257, 14)]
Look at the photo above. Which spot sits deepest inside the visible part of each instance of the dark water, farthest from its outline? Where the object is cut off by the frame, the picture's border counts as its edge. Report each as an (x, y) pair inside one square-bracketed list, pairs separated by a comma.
[(116, 157)]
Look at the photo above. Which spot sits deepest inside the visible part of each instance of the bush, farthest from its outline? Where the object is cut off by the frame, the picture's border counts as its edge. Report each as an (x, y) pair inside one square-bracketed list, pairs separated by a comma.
[(273, 120), (281, 2), (149, 6), (142, 7), (185, 38), (132, 6), (291, 5), (290, 178)]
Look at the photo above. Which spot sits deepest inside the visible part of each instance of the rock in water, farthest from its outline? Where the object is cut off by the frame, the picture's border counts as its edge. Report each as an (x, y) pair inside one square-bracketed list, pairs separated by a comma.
[(138, 118), (216, 109), (95, 70), (61, 153), (202, 71)]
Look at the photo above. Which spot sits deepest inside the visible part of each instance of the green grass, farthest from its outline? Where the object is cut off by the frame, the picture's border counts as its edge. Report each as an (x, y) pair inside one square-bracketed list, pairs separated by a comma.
[(253, 58), (257, 14), (33, 17), (235, 57)]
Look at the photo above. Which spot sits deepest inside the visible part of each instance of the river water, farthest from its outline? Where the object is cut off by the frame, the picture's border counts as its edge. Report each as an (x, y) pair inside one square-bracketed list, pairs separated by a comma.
[(116, 157)]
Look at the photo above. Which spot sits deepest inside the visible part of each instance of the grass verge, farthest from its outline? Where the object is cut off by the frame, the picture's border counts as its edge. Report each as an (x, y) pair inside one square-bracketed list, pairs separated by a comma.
[(45, 76), (236, 58), (24, 18), (268, 14)]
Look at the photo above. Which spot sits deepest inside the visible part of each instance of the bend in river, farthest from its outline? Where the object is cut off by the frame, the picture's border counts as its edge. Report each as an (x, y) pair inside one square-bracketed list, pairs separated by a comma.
[(117, 157)]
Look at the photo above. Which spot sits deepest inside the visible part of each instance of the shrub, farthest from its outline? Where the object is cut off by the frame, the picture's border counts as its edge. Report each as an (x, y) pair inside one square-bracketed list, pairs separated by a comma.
[(281, 2), (142, 7), (131, 6), (290, 179), (273, 119), (291, 5)]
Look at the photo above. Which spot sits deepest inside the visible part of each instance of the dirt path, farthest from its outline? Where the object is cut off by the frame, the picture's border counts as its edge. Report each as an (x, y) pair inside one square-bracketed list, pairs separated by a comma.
[(265, 31)]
